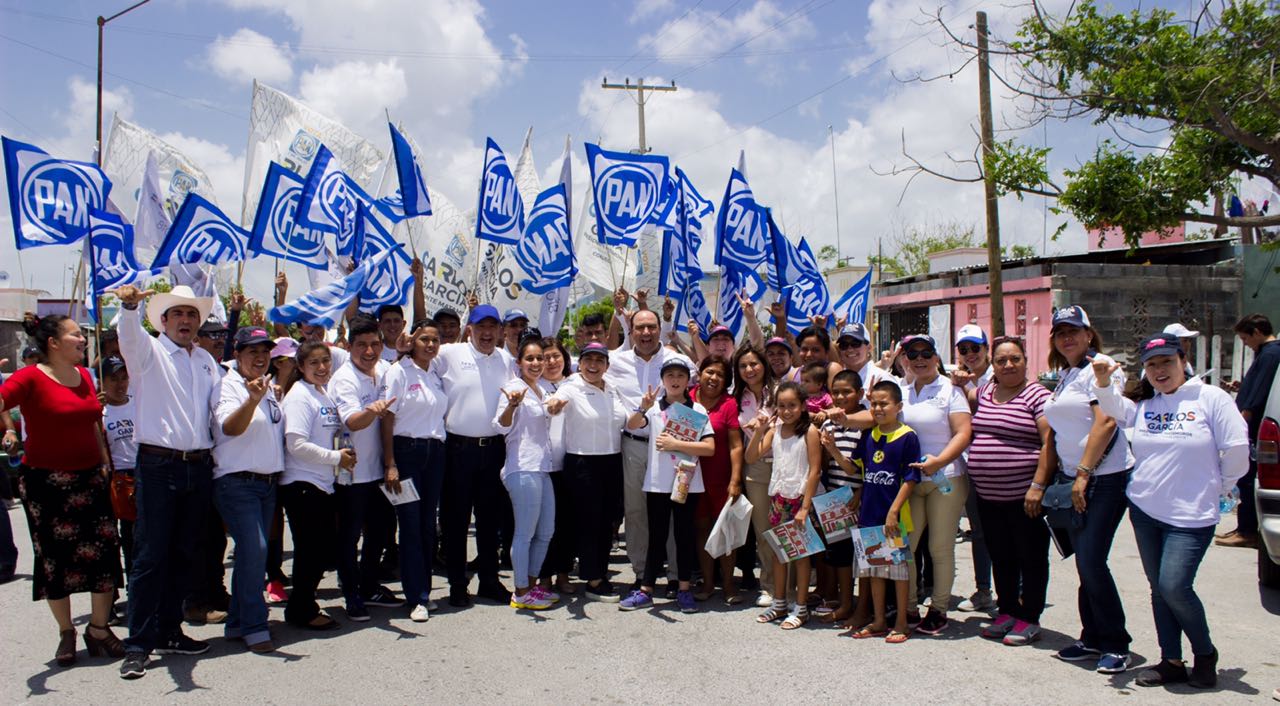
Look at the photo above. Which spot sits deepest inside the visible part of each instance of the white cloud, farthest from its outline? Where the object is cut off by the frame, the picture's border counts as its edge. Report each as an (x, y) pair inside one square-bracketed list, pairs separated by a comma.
[(645, 9), (79, 119), (355, 92), (247, 55), (693, 37)]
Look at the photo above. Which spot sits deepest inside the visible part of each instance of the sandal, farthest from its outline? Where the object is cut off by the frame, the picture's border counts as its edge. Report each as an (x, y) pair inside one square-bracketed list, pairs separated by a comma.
[(897, 638), (866, 632), (66, 654), (796, 619), (321, 622), (106, 646), (773, 613), (732, 598)]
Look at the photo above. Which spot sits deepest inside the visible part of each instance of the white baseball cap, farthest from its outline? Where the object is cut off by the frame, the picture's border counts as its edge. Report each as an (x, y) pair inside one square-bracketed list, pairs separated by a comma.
[(1180, 331), (971, 333)]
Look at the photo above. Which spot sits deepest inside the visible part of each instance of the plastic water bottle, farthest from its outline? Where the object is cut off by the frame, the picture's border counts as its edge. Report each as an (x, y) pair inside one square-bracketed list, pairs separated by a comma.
[(939, 479), (1228, 501), (345, 476)]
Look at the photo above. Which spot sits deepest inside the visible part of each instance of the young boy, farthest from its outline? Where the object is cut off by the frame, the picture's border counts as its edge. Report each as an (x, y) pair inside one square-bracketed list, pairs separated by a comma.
[(117, 419), (888, 480), (842, 467)]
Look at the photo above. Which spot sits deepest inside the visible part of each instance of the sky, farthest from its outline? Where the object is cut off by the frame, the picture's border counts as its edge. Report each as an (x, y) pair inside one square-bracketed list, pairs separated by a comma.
[(816, 93)]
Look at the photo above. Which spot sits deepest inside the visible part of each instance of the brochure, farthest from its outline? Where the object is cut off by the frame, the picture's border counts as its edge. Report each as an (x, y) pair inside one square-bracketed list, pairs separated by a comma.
[(408, 493), (791, 541), (836, 513), (873, 548)]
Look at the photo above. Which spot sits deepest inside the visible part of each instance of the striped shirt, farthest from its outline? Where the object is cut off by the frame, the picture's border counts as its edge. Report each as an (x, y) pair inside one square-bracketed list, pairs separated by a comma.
[(847, 442), (1006, 442)]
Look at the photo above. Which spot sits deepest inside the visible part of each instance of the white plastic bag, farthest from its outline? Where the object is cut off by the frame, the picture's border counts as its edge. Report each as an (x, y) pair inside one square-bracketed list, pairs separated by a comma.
[(731, 529)]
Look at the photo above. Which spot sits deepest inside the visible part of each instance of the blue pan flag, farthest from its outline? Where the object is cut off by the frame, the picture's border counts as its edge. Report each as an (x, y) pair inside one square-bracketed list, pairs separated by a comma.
[(391, 281), (500, 211), (201, 233), (50, 199), (852, 305), (414, 199), (324, 306), (276, 233), (628, 190), (545, 252), (742, 231), (112, 257)]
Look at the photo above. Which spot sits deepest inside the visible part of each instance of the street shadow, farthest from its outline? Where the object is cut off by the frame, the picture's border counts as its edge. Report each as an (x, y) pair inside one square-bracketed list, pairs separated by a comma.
[(1270, 599), (1229, 680), (577, 607), (36, 683), (181, 668)]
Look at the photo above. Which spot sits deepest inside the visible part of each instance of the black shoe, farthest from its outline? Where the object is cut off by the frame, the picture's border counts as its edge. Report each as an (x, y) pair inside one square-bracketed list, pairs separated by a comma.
[(504, 560), (7, 573), (934, 623), (603, 592), (459, 599), (134, 665), (1164, 673), (495, 592), (473, 565), (384, 597), (673, 587), (1204, 671), (182, 645)]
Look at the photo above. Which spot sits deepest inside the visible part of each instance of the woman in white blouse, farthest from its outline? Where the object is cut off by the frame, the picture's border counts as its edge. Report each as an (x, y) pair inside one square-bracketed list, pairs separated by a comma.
[(522, 417), (559, 560), (311, 462), (1190, 446), (939, 413), (413, 452), (248, 454), (593, 409)]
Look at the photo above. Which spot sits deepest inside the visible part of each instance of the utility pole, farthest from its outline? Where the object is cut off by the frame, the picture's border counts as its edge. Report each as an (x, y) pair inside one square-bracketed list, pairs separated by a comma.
[(994, 275), (639, 98), (835, 191)]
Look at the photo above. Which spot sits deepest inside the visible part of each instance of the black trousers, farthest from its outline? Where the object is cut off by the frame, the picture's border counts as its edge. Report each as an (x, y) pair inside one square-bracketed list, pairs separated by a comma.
[(311, 513), (362, 510), (1019, 548), (559, 559), (1246, 511), (662, 510), (594, 490), (472, 483), (208, 571)]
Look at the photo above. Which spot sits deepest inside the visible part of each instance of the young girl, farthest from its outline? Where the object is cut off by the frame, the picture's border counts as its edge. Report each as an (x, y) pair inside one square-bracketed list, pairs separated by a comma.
[(813, 379), (658, 480), (523, 418), (797, 464)]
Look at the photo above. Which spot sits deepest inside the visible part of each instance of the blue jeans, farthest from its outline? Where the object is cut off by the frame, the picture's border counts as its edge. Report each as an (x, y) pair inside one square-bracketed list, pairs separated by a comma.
[(422, 461), (1170, 557), (172, 497), (1101, 612), (534, 503), (247, 505)]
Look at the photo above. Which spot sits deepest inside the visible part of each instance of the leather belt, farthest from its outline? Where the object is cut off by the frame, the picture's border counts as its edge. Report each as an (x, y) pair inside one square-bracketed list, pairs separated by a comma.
[(481, 441), (197, 456), (250, 475), (629, 435)]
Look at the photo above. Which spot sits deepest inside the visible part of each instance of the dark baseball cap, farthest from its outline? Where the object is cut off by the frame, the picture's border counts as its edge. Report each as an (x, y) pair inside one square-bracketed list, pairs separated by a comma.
[(856, 331), (212, 326), (30, 352), (919, 338), (1070, 316), (673, 364), (112, 364), (252, 335), (447, 313), (594, 348), (1159, 344)]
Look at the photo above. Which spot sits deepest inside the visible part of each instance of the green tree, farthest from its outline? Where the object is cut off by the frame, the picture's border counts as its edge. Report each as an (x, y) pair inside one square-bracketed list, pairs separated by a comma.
[(829, 257), (1208, 87), (1017, 252), (913, 244)]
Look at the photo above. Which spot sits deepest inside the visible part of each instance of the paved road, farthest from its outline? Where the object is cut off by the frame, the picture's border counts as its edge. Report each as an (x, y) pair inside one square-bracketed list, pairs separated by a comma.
[(592, 652)]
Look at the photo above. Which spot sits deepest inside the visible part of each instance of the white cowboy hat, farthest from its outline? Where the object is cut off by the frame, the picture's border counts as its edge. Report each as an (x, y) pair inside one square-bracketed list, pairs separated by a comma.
[(180, 295), (1180, 331)]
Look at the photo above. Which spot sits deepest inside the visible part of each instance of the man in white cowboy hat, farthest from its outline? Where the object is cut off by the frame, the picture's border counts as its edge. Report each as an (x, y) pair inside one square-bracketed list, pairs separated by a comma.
[(173, 382)]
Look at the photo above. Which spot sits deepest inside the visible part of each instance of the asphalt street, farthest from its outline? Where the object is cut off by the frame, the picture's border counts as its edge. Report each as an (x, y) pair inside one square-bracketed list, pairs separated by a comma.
[(591, 652)]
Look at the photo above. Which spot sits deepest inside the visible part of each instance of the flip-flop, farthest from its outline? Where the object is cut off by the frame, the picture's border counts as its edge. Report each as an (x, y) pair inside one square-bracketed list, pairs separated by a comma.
[(896, 638), (866, 632)]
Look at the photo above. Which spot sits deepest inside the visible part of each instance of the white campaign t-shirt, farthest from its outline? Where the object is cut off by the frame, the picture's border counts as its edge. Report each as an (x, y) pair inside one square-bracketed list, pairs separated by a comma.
[(352, 390), (1177, 442), (310, 414), (1070, 415), (593, 416), (420, 402), (929, 412), (660, 475), (472, 381), (118, 421), (260, 448), (529, 436)]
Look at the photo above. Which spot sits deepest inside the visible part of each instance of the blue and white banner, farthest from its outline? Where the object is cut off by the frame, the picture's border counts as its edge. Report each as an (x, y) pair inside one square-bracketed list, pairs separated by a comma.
[(50, 199), (628, 190), (112, 259), (852, 305), (324, 306), (735, 281), (329, 200), (500, 211), (674, 277), (806, 293), (412, 198), (546, 250), (683, 226), (694, 307), (201, 234), (742, 231), (276, 233), (391, 281), (152, 220)]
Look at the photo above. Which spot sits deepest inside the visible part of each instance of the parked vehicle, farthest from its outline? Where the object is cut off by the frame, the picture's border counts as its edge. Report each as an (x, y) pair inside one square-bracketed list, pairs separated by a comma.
[(1267, 497)]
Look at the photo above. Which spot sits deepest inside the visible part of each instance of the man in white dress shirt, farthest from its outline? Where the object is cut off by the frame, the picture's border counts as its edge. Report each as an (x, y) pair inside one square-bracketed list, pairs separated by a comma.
[(472, 374), (633, 372), (173, 382)]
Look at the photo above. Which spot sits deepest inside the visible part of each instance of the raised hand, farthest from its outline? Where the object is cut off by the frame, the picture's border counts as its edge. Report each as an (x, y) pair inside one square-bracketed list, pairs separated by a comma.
[(404, 343), (642, 298), (650, 396), (258, 388), (778, 310), (237, 301), (1103, 368), (555, 406), (415, 269), (620, 299), (379, 407), (961, 378), (514, 398), (668, 309), (841, 321), (694, 329), (282, 284), (257, 317), (748, 306), (819, 321), (473, 300), (130, 295), (887, 358)]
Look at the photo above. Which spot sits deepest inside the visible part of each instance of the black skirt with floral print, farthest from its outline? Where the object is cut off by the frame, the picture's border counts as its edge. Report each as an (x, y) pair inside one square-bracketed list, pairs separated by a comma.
[(74, 539)]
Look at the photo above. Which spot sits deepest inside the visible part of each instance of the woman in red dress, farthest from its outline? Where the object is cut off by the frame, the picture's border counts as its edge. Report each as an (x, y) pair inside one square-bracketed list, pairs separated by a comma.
[(64, 486), (721, 472)]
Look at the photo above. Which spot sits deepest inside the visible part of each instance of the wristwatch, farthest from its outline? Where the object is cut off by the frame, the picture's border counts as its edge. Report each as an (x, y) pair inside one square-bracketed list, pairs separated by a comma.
[(1086, 470), (1037, 486)]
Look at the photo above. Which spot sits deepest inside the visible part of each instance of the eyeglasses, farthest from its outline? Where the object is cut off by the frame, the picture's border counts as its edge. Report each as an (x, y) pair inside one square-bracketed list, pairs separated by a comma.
[(214, 336), (967, 348), (849, 345), (926, 354), (273, 410)]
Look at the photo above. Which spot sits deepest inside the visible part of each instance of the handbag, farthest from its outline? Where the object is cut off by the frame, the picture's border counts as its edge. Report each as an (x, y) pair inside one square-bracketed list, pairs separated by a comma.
[(1059, 512), (123, 502)]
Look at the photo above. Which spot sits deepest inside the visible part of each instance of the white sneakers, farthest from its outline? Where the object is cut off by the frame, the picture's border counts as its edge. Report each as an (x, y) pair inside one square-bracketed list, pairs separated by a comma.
[(420, 614)]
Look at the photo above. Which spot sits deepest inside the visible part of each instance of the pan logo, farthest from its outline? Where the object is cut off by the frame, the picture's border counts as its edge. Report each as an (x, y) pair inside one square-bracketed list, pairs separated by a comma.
[(56, 198), (212, 242), (181, 184), (499, 201), (626, 195), (303, 242)]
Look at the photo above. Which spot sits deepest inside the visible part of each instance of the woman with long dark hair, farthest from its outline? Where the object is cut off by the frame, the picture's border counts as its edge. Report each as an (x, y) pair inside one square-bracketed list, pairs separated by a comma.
[(559, 560), (753, 383), (721, 471), (64, 486)]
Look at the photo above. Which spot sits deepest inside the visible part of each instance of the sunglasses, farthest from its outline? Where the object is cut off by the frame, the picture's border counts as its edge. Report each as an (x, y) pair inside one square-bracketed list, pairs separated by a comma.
[(926, 354), (967, 348), (214, 336), (849, 345)]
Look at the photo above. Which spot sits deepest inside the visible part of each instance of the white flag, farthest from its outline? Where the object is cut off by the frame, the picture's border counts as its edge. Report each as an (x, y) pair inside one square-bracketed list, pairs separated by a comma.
[(129, 148), (152, 220), (285, 130)]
